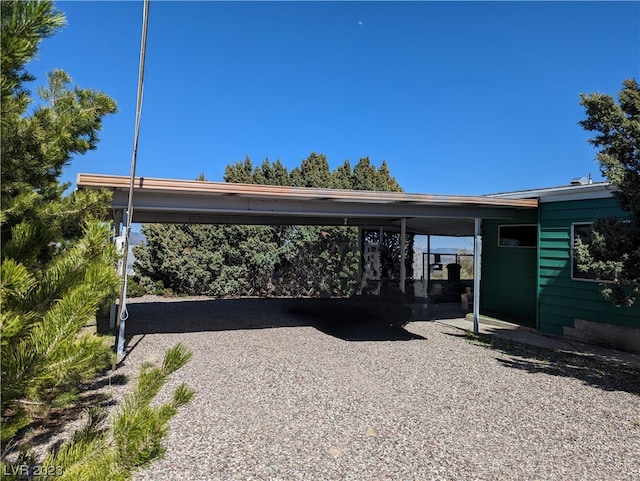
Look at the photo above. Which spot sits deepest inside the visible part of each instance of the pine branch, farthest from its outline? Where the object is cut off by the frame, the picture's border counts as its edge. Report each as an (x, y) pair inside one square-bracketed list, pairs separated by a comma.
[(135, 436)]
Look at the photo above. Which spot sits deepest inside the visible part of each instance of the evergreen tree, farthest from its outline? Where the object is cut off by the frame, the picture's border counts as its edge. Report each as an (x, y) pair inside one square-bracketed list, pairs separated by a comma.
[(211, 260), (342, 176), (385, 181), (365, 175), (314, 170), (270, 174), (58, 264), (240, 172), (614, 252), (267, 260)]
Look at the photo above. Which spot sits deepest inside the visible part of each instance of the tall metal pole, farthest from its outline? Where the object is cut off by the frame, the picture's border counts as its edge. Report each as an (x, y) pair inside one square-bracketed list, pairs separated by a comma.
[(428, 264), (476, 275), (403, 255), (360, 254), (122, 313)]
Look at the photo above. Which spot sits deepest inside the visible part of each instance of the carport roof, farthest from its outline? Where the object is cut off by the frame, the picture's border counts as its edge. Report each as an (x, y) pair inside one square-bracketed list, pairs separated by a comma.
[(202, 202)]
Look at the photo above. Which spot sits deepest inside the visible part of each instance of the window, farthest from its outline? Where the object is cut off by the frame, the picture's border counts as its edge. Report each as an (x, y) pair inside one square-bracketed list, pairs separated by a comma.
[(582, 231), (518, 235)]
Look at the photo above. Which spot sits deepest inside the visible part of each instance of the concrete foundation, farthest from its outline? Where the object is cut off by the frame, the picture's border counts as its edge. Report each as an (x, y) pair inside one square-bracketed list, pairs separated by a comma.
[(618, 337)]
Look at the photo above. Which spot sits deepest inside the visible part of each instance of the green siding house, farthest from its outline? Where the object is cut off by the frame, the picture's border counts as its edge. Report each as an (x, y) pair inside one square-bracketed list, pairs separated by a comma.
[(529, 275)]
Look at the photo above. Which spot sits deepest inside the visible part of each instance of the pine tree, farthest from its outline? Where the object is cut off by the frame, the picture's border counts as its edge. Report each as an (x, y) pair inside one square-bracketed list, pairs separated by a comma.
[(614, 252), (268, 260), (240, 172), (57, 263), (342, 176), (58, 268), (219, 261), (315, 171)]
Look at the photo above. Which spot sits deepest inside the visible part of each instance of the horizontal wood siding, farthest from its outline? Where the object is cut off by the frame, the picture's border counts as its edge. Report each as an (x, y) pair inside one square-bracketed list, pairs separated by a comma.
[(561, 299), (508, 284)]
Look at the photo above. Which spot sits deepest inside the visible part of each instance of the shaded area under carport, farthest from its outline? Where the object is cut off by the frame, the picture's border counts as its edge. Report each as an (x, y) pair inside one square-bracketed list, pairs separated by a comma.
[(356, 319), (366, 318)]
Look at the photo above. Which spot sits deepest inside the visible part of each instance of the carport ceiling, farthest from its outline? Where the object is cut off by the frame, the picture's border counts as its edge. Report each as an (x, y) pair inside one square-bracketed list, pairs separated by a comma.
[(199, 202)]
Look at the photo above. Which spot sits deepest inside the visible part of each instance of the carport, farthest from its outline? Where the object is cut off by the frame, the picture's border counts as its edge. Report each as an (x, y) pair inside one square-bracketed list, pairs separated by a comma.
[(200, 202)]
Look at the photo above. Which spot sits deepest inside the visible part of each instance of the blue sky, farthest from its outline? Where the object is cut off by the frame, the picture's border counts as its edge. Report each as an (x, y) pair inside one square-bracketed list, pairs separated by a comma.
[(457, 97)]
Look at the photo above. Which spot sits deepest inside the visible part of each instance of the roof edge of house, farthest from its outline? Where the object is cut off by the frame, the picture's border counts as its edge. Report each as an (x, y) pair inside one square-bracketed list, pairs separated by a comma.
[(595, 190)]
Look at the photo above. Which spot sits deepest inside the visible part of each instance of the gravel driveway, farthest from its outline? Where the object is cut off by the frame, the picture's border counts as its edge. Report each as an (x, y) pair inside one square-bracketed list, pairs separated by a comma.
[(283, 394)]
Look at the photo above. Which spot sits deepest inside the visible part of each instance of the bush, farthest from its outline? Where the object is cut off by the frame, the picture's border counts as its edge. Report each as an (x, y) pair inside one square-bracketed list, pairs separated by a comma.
[(134, 288)]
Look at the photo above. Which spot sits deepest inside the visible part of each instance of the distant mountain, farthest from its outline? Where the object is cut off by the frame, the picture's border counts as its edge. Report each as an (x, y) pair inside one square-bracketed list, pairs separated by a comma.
[(445, 250)]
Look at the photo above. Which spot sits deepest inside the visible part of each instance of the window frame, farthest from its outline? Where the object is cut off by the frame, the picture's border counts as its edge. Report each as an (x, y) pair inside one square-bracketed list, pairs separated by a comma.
[(572, 248), (535, 246)]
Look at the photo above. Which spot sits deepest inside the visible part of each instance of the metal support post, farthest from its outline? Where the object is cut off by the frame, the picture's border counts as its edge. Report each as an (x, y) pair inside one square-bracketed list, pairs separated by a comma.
[(477, 243), (360, 254), (428, 264), (403, 256)]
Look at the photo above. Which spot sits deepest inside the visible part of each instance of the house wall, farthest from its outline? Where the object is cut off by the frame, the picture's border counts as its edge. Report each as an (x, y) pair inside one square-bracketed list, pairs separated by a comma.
[(561, 299), (508, 283)]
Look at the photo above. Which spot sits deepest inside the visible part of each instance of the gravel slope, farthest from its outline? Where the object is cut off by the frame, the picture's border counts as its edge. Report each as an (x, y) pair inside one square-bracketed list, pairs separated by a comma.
[(282, 395)]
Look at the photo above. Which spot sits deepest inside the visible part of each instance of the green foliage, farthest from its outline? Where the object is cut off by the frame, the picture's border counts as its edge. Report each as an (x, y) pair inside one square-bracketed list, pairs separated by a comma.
[(58, 270), (24, 25), (614, 252), (36, 147), (131, 440), (134, 288), (204, 259), (37, 144), (51, 290), (230, 260), (139, 428), (366, 177), (57, 261), (313, 172)]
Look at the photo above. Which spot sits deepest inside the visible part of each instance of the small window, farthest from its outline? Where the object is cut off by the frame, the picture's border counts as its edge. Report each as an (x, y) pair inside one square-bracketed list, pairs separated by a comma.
[(518, 235), (584, 232)]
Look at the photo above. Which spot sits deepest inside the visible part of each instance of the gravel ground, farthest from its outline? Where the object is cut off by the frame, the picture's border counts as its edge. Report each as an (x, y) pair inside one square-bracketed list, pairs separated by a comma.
[(283, 394)]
